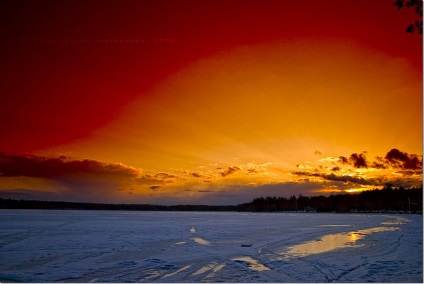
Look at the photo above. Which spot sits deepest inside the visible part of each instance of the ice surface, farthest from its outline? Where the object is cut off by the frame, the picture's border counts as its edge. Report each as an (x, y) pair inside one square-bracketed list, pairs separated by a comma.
[(122, 246)]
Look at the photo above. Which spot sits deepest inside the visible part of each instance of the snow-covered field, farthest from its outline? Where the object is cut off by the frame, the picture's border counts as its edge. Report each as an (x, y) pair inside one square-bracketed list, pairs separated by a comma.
[(120, 246)]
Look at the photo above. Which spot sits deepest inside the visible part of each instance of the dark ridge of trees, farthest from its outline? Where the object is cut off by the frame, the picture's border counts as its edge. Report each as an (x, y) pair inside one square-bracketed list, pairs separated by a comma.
[(384, 200), (61, 205), (388, 199)]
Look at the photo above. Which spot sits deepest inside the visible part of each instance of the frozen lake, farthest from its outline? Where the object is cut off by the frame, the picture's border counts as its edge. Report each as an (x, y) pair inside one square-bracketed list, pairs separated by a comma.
[(123, 246)]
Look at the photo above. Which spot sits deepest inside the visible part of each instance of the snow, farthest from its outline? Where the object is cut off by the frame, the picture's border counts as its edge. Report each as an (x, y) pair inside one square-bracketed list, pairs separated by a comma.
[(123, 246)]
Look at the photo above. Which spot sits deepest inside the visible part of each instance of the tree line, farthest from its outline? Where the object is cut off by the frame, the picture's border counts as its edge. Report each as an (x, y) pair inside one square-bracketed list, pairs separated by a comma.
[(377, 200), (388, 199)]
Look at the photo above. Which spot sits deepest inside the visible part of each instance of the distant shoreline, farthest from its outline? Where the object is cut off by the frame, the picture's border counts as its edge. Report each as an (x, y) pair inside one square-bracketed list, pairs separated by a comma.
[(386, 200), (228, 211), (7, 203)]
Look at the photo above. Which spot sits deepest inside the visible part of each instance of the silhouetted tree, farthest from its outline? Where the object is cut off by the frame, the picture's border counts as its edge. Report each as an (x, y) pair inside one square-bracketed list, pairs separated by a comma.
[(378, 200)]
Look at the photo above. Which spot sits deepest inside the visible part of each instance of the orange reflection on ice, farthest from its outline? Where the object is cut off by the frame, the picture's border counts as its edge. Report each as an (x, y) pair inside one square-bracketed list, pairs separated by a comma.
[(333, 241), (252, 264)]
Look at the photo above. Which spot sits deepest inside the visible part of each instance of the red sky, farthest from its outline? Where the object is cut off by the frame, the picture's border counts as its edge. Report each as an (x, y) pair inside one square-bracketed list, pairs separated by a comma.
[(217, 96)]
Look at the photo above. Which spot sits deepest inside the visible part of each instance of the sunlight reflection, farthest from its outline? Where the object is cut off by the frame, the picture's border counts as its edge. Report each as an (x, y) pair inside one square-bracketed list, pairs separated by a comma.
[(334, 241), (176, 272), (203, 269), (354, 237), (201, 241), (252, 264)]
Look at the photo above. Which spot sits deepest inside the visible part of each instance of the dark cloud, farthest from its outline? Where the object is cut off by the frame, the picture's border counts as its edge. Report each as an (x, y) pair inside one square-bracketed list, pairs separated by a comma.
[(358, 160), (398, 159), (343, 160), (394, 158), (352, 179), (73, 180), (52, 168), (154, 187), (335, 169), (341, 178), (410, 178), (196, 175), (230, 171), (377, 165), (317, 152), (409, 172), (380, 159)]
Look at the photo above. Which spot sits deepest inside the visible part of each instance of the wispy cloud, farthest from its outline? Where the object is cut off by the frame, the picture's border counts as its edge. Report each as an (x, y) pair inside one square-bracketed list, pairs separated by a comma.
[(197, 174), (149, 180), (328, 159), (156, 181)]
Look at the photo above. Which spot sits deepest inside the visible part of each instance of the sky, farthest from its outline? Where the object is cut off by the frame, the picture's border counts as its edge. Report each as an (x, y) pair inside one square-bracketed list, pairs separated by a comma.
[(207, 102)]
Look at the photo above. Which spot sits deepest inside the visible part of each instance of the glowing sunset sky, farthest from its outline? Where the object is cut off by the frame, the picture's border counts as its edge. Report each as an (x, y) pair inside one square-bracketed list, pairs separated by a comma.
[(207, 102)]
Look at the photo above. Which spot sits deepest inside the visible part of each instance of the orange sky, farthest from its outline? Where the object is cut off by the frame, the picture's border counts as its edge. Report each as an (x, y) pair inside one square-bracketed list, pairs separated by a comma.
[(252, 99)]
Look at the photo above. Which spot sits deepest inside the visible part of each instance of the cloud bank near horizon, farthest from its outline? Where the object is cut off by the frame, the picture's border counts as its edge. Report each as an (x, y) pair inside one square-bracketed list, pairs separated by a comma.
[(64, 178)]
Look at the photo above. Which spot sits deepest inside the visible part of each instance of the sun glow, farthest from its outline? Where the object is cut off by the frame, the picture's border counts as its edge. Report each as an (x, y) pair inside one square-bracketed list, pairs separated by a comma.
[(356, 190), (330, 190), (251, 108)]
